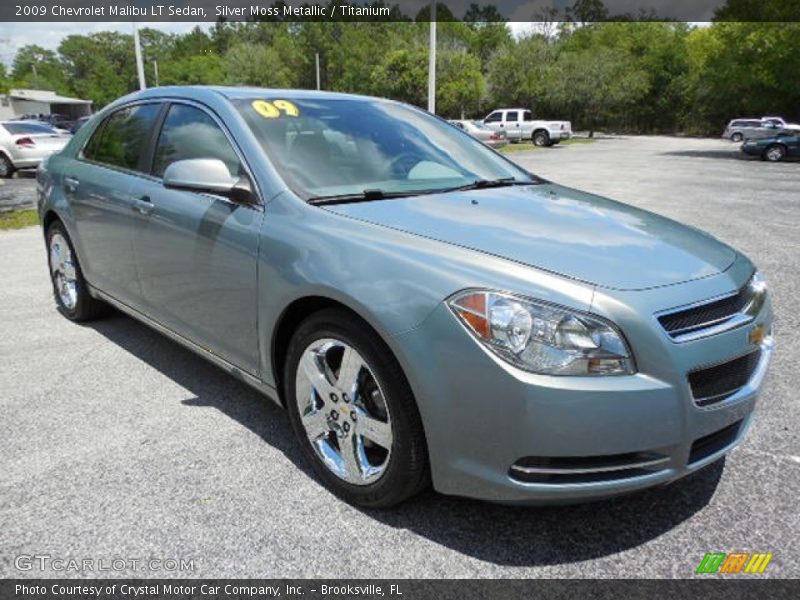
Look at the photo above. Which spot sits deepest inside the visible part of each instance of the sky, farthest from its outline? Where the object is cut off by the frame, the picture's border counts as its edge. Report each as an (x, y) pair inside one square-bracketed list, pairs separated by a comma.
[(48, 35)]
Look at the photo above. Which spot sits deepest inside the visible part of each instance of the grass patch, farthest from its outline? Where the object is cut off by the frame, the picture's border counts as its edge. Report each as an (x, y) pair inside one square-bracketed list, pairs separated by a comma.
[(18, 219), (508, 148), (524, 147)]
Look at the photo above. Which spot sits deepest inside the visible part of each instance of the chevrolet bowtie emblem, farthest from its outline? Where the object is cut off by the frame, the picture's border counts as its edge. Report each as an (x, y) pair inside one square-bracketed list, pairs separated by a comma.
[(757, 334)]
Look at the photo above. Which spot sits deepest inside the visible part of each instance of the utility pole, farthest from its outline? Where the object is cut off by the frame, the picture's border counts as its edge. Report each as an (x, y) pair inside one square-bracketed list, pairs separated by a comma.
[(139, 63), (155, 71), (316, 57), (432, 62)]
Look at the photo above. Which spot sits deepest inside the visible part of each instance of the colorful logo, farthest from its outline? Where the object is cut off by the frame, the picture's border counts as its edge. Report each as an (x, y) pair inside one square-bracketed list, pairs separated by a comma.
[(735, 562)]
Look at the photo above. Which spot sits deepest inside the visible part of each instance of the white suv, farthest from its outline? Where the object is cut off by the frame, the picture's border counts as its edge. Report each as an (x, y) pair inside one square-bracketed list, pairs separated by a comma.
[(519, 124)]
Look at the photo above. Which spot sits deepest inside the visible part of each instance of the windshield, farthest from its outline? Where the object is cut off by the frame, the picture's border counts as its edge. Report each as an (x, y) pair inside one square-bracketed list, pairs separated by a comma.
[(328, 147)]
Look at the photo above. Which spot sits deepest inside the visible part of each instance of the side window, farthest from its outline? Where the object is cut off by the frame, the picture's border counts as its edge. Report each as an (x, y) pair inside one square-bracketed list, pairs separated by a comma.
[(527, 116), (495, 117), (512, 116), (122, 138), (188, 133)]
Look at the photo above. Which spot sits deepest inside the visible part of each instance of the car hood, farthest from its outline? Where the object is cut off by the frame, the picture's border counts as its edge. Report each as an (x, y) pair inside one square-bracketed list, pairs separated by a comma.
[(558, 229)]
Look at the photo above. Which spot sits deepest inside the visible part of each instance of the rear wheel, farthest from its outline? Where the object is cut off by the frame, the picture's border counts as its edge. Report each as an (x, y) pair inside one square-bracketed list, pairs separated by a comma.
[(353, 411), (541, 138), (6, 167), (69, 286), (775, 152), (736, 137)]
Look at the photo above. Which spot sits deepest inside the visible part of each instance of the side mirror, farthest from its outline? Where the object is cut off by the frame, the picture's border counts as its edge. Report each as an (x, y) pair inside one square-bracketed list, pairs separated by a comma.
[(209, 176)]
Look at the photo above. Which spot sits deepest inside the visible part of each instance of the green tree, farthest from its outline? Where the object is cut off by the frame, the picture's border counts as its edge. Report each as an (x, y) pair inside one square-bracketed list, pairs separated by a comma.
[(5, 82), (257, 65), (402, 75), (99, 66), (520, 73), (38, 68), (742, 69), (596, 86), (461, 85)]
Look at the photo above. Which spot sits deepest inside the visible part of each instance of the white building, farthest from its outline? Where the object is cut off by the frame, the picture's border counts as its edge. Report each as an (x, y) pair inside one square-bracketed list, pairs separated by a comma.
[(34, 102)]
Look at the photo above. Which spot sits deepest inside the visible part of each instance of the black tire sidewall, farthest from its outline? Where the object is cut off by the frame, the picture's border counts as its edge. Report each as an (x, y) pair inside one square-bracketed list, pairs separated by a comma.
[(406, 472), (737, 137), (9, 167), (544, 136)]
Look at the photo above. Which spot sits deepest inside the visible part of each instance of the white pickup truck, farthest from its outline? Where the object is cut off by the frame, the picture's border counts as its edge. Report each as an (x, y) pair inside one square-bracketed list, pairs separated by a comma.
[(519, 124)]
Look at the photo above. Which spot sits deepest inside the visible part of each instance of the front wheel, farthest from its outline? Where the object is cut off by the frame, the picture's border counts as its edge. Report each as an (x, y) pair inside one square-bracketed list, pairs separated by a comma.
[(775, 153), (353, 411), (541, 138), (737, 137)]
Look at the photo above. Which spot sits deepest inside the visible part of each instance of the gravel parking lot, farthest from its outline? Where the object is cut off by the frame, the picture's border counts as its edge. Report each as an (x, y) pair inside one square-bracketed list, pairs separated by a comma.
[(115, 442)]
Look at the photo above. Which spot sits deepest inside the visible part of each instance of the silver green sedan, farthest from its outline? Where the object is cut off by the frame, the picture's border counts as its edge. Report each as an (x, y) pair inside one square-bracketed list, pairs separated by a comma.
[(427, 311)]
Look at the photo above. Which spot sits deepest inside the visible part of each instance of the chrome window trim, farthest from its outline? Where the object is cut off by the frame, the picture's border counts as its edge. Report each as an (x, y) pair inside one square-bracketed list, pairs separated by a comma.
[(168, 101)]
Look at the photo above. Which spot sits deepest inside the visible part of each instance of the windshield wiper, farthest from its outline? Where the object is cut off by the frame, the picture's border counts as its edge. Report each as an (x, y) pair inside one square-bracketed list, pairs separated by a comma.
[(365, 196), (481, 184)]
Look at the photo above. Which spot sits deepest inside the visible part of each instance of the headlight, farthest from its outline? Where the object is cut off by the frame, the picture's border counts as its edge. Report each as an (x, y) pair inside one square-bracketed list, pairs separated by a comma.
[(541, 337)]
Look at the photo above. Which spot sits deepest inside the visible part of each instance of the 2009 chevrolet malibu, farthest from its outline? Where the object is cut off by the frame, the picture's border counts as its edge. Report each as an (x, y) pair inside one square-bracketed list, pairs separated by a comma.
[(426, 310)]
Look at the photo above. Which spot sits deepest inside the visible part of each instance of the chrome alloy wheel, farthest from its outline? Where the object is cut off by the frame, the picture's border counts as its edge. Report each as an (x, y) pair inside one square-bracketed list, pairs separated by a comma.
[(62, 270), (775, 153), (343, 411)]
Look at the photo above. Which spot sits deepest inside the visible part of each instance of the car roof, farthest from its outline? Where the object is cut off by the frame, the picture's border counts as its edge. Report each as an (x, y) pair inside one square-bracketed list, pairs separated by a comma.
[(233, 93)]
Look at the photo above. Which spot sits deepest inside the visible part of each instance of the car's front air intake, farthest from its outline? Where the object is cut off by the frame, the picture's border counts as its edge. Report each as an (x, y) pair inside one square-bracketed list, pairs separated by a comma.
[(714, 442), (586, 469), (714, 384)]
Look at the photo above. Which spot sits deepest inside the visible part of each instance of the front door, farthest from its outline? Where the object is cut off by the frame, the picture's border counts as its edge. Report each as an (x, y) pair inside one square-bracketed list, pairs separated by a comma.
[(197, 254)]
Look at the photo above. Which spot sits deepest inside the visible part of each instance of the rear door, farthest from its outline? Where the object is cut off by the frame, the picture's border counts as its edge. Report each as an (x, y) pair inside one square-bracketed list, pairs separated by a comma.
[(97, 185), (512, 122), (197, 254), (527, 124)]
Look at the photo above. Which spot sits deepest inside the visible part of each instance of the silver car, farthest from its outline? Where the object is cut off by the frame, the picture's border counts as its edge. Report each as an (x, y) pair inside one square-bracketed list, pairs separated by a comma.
[(425, 310), (493, 139), (752, 129), (24, 144)]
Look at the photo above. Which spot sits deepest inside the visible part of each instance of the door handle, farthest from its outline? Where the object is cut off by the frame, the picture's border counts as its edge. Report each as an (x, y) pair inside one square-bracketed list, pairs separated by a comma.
[(71, 184), (143, 205)]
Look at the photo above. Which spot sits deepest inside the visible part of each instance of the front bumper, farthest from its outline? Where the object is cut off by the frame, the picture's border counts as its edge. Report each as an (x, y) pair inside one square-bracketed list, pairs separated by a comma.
[(483, 416)]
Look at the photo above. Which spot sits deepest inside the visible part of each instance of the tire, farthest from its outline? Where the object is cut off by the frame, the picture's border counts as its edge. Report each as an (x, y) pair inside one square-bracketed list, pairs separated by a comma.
[(6, 167), (69, 287), (737, 137), (774, 153), (333, 421), (541, 138)]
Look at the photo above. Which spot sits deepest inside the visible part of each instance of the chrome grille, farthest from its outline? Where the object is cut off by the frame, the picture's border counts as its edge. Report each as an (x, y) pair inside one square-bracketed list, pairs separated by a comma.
[(714, 384), (715, 315)]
